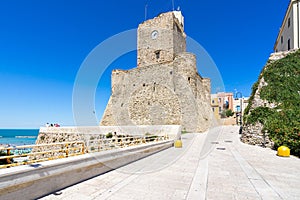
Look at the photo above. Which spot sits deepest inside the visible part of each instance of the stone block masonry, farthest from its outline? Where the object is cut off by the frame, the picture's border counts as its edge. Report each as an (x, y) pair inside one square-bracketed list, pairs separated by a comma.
[(253, 133), (90, 134), (165, 88), (85, 133)]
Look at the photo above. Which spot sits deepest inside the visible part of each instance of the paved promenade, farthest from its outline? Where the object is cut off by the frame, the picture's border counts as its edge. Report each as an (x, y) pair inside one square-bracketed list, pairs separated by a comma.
[(213, 165)]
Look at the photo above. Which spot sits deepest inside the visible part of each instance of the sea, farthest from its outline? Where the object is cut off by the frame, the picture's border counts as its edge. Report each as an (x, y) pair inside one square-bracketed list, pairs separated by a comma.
[(17, 137)]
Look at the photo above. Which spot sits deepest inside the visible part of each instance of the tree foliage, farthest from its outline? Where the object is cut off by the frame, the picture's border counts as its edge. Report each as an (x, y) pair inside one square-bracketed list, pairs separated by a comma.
[(229, 113)]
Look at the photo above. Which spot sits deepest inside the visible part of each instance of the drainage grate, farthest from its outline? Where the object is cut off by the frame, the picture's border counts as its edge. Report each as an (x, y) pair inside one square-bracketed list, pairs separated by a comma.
[(214, 142), (221, 148), (228, 141)]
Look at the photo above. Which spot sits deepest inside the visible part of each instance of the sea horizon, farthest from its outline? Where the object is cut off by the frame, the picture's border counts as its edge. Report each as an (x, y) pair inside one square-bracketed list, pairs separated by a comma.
[(16, 137)]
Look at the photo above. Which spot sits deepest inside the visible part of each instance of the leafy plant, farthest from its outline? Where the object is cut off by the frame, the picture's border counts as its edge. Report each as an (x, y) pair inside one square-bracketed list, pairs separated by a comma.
[(229, 113), (282, 121), (42, 137), (109, 135), (92, 138), (184, 131)]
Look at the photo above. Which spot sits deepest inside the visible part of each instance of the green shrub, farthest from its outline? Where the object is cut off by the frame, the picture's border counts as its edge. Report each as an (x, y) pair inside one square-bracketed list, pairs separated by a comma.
[(283, 90), (229, 113), (109, 135), (92, 138)]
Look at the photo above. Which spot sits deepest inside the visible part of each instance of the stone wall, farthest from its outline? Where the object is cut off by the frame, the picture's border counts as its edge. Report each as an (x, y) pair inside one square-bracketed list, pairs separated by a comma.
[(257, 101), (162, 94), (253, 134), (67, 134), (91, 134), (169, 39), (281, 54), (164, 89)]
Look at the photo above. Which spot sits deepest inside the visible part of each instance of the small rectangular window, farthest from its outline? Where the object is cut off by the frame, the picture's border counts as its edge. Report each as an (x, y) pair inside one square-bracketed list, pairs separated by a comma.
[(289, 22), (281, 39), (289, 44), (157, 54)]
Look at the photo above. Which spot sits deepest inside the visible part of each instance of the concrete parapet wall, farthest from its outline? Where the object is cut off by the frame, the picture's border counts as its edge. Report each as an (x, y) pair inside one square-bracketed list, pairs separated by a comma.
[(34, 181), (89, 134), (173, 131)]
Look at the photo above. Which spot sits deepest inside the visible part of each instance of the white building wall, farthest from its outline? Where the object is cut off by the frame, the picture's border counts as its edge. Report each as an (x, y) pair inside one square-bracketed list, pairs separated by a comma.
[(288, 36), (237, 102), (296, 15)]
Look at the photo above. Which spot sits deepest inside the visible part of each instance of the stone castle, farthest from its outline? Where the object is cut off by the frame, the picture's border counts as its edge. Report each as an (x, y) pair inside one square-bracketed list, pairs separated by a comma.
[(165, 88)]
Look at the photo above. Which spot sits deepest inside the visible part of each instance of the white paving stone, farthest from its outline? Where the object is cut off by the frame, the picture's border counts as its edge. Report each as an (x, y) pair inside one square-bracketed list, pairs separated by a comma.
[(227, 170)]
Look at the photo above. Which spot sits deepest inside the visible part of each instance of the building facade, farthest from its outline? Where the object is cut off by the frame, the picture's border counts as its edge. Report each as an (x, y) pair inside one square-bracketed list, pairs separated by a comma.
[(215, 106), (240, 104), (288, 36), (165, 88), (220, 102)]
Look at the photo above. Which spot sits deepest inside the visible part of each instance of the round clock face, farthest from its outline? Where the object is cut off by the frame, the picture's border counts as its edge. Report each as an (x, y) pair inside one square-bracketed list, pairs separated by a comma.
[(154, 34)]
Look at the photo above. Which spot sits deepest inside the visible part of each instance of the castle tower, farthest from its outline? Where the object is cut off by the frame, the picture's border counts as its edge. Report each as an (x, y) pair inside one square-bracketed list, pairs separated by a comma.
[(160, 39), (165, 88)]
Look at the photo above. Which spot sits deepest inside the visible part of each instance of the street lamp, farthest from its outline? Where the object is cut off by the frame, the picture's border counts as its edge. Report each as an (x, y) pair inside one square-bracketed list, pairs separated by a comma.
[(241, 105)]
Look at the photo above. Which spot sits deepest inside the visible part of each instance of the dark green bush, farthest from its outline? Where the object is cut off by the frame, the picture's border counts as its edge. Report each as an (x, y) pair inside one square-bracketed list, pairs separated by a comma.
[(229, 113), (109, 135), (283, 90)]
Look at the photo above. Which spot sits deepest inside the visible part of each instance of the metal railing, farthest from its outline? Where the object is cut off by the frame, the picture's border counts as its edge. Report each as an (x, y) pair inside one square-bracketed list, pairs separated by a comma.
[(28, 154)]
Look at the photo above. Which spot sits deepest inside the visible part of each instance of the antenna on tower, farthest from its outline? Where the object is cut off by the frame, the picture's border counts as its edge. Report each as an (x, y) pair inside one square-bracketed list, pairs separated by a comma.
[(173, 5), (146, 8)]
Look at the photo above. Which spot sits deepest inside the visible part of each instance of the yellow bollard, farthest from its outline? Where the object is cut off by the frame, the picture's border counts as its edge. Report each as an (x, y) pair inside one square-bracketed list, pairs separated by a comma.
[(178, 144), (283, 151)]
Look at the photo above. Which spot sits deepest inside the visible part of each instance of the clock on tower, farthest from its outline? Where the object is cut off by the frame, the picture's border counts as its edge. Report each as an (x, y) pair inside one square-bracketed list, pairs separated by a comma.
[(160, 39)]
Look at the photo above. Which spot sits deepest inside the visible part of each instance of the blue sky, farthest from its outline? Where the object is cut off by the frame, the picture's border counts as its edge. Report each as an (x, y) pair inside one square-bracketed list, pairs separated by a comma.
[(43, 44)]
